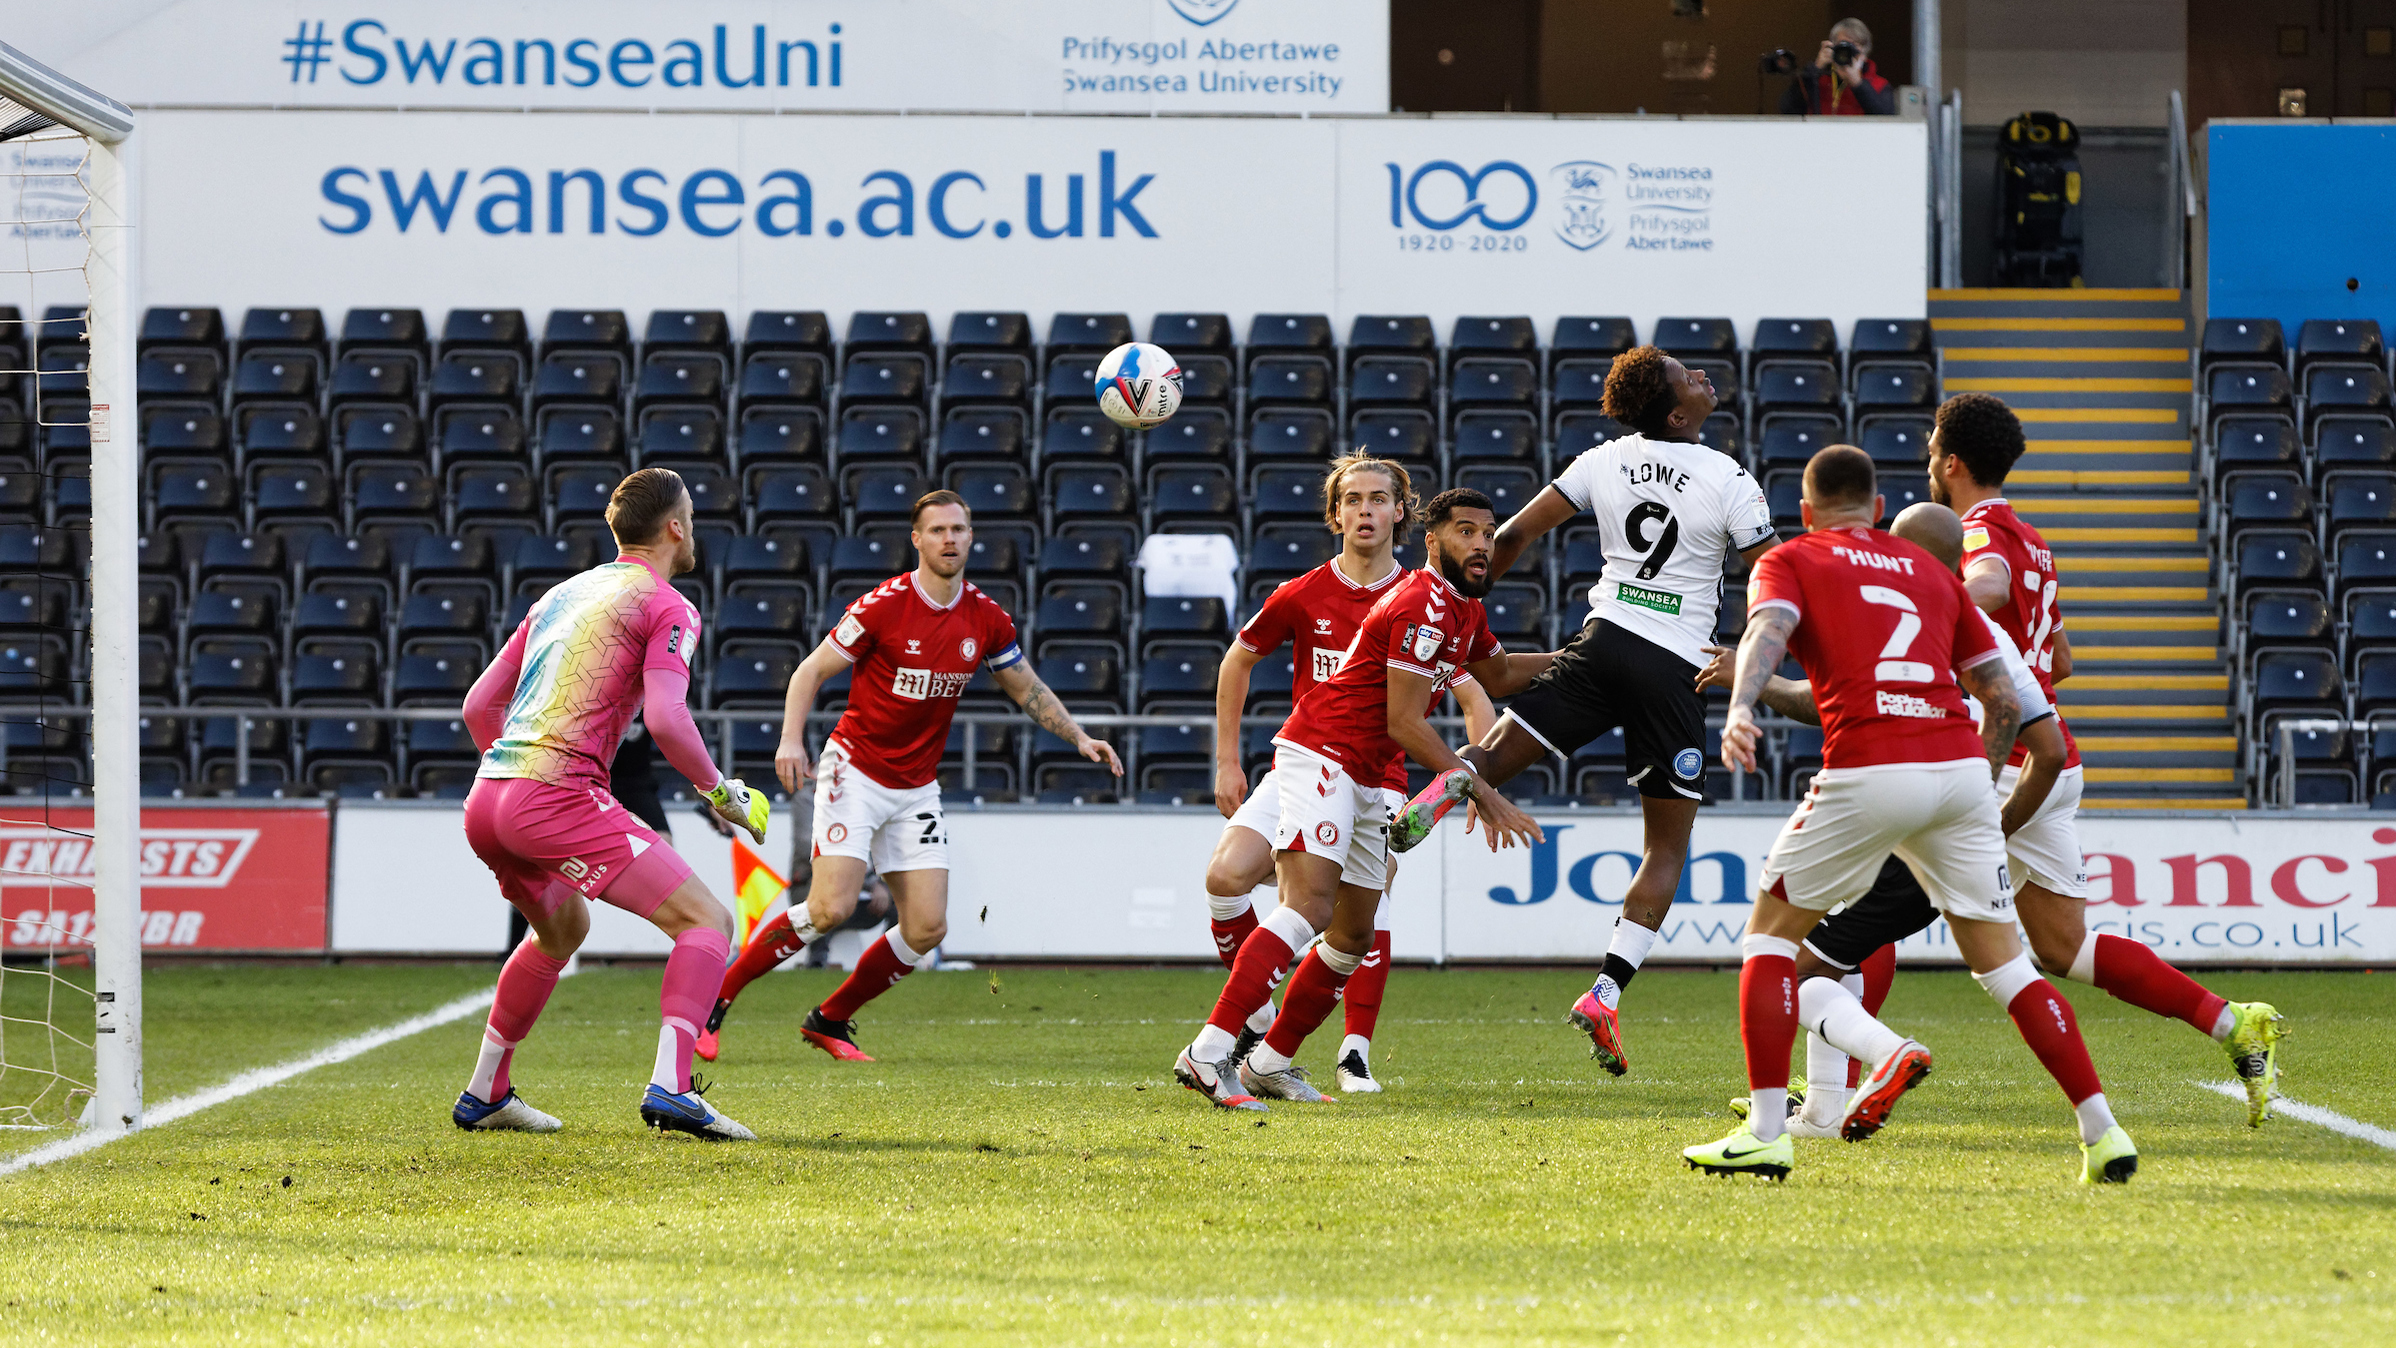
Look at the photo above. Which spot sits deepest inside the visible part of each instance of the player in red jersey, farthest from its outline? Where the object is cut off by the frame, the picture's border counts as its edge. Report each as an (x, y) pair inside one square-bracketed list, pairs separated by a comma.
[(915, 642), (2012, 576), (1367, 502), (1339, 773), (1903, 771)]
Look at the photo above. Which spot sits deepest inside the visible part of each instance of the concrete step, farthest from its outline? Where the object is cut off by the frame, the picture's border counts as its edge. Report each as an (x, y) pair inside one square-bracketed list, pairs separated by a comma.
[(2178, 753), (2082, 597), (2161, 714), (2061, 354), (2109, 801), (1991, 330), (2141, 629), (2118, 652), (2099, 478), (2123, 537), (2215, 777)]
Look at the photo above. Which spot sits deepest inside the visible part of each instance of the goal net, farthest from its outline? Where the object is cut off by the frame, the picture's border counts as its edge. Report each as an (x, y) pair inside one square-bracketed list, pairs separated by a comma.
[(70, 958)]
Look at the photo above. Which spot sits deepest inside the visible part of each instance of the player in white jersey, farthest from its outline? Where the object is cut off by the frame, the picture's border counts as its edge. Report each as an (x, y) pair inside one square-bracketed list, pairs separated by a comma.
[(1670, 510)]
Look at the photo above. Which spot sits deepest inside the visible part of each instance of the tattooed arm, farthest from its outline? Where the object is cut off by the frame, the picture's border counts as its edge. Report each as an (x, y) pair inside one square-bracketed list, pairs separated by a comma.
[(1020, 683), (1989, 682), (1793, 698), (1760, 652)]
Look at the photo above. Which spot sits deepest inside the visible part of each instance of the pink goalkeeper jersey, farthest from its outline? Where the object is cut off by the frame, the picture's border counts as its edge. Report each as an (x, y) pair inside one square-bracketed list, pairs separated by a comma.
[(584, 650)]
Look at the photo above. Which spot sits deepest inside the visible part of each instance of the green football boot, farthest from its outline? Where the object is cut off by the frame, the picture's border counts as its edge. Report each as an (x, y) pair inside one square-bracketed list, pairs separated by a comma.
[(2111, 1159), (2253, 1047), (1741, 1154), (1739, 1103)]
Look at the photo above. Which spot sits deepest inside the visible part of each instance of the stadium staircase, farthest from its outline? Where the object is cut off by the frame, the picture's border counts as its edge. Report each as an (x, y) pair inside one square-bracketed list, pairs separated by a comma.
[(2101, 380)]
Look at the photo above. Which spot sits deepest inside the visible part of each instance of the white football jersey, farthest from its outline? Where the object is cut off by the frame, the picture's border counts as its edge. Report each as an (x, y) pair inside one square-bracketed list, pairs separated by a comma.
[(1670, 514), (2025, 684)]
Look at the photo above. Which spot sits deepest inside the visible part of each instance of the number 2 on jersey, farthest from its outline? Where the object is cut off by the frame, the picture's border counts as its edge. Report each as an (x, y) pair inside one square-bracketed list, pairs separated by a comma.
[(1893, 666)]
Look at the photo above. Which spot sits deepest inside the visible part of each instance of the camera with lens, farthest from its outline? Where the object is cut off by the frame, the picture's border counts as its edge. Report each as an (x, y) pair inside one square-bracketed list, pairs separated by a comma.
[(1843, 53), (1778, 61)]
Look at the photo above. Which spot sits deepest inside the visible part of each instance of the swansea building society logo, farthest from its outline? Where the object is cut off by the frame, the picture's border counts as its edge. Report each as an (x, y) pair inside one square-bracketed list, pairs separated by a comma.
[(1203, 12), (1582, 188)]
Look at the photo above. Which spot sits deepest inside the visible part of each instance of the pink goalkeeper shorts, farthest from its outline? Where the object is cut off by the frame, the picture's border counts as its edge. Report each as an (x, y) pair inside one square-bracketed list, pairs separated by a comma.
[(544, 841)]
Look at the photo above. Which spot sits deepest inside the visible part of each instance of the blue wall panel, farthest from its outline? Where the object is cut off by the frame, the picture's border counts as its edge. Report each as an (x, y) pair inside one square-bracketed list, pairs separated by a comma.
[(2293, 213)]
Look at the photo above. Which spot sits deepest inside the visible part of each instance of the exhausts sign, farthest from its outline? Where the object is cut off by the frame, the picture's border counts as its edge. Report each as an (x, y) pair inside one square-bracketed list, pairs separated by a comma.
[(211, 879)]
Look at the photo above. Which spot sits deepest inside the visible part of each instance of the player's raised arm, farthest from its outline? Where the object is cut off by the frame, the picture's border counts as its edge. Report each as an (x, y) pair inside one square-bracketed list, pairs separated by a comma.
[(1231, 700), (1040, 703), (1480, 714), (1761, 648), (487, 702), (1548, 510), (790, 757), (1509, 672), (2043, 753), (1409, 693)]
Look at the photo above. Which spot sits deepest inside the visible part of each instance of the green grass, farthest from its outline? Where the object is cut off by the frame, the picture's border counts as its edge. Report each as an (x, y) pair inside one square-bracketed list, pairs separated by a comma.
[(1019, 1167)]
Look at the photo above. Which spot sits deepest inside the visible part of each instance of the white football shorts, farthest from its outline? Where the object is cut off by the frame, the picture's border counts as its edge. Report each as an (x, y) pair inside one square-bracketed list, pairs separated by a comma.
[(2046, 851), (1326, 813), (890, 830), (1941, 819)]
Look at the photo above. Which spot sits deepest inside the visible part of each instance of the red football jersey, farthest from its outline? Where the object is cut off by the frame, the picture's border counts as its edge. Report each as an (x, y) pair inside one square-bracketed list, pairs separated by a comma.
[(1318, 614), (913, 659), (2030, 614), (1423, 626), (1883, 700)]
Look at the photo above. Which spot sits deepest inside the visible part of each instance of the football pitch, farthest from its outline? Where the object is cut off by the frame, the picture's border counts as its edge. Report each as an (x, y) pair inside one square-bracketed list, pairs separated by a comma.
[(1019, 1166)]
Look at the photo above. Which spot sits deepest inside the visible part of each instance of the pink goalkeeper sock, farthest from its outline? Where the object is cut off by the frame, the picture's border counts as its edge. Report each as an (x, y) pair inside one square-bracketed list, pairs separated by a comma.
[(524, 987), (684, 997)]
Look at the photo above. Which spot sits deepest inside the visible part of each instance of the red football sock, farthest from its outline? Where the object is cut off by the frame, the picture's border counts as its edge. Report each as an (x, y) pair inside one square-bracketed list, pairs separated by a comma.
[(1305, 1004), (1365, 986), (768, 946), (1231, 933), (2137, 975), (878, 970), (1768, 1018), (1261, 959), (2048, 1027)]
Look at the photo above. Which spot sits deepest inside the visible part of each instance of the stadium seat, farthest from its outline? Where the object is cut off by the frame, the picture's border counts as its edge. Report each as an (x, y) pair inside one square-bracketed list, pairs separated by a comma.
[(750, 675), (1078, 491), (1407, 435), (778, 435), (1286, 493), (1391, 334), (373, 377), (1097, 558), (880, 433), (335, 681), (1082, 610), (782, 379), (2365, 557), (1072, 379), (787, 330), (670, 377), (1697, 336), (2353, 442), (1796, 386), (884, 377), (1391, 381), (1515, 336), (1579, 383), (586, 330), (1508, 489), (267, 376), (2344, 388), (1288, 332), (980, 434), (1890, 337), (1795, 337), (2242, 387), (1094, 334), (200, 493), (2359, 500), (180, 428), (687, 330), (1290, 433), (188, 374), (1579, 432), (477, 431), (887, 330), (1509, 436), (2241, 339), (1080, 432), (2339, 339), (281, 431), (290, 329), (218, 614), (869, 557), (377, 433), (1184, 617), (2254, 441), (401, 494), (996, 492), (1289, 379), (1493, 381), (190, 327), (1517, 614), (673, 435), (2288, 618), (882, 492), (1080, 671), (545, 559), (1786, 439), (1206, 379), (1183, 670), (2296, 680), (2262, 499), (1593, 336), (1882, 386), (489, 377), (579, 492), (1721, 432), (980, 379), (1285, 550), (282, 495), (2374, 683), (1186, 335), (1193, 497), (989, 330), (486, 330)]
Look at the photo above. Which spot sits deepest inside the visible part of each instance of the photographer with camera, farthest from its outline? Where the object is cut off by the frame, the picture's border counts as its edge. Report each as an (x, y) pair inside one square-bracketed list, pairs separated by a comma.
[(1841, 82)]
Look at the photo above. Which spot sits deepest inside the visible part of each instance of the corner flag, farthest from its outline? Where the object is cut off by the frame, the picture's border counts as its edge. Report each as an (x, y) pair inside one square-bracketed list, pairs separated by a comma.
[(755, 886)]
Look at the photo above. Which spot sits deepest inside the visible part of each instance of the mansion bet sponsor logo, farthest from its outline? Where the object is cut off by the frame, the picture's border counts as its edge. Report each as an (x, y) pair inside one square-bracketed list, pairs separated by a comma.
[(1499, 207)]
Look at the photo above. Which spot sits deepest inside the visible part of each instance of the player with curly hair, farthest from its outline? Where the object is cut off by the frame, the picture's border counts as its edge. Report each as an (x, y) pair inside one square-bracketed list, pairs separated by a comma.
[(1669, 510)]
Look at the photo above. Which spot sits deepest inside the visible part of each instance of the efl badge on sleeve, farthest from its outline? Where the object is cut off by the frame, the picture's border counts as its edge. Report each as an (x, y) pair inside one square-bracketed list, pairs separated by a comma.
[(1426, 642), (849, 631)]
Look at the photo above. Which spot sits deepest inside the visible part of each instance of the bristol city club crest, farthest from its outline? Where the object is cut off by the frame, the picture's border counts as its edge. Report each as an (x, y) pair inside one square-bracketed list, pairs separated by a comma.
[(1327, 833), (1425, 640), (966, 648)]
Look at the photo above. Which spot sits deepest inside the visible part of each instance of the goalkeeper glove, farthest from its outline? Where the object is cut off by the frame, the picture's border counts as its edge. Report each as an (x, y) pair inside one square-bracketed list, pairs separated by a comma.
[(735, 804)]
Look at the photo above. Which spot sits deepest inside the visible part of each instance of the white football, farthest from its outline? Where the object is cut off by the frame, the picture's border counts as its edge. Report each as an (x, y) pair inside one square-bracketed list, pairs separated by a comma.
[(1139, 385)]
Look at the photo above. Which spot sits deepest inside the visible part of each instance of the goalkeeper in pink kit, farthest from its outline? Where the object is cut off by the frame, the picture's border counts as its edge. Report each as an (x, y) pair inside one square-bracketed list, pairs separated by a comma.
[(548, 715)]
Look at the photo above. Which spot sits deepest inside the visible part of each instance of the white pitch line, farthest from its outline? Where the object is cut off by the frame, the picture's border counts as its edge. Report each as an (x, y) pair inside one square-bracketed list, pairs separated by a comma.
[(2331, 1119), (184, 1106)]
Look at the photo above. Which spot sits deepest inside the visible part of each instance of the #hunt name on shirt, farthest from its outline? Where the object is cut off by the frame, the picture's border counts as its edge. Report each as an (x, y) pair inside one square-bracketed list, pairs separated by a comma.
[(918, 685), (1906, 704)]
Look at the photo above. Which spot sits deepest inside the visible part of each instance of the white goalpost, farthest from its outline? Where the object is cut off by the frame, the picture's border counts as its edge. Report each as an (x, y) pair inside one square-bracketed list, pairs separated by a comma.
[(70, 265)]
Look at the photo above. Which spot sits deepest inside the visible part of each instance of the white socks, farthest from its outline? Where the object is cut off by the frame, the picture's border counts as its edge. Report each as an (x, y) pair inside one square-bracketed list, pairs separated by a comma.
[(1631, 942), (1264, 1059), (906, 953), (2083, 968), (2223, 1024), (2096, 1118), (667, 1075), (1767, 1112), (486, 1067), (1832, 1011), (1293, 930), (1826, 1066), (1224, 907), (2006, 981), (1338, 961), (1358, 1045)]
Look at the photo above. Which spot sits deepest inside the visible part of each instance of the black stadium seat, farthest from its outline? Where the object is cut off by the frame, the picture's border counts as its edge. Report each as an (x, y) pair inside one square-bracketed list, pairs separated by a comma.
[(2242, 339)]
